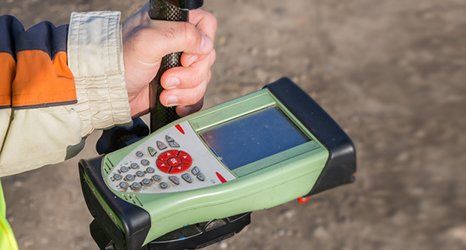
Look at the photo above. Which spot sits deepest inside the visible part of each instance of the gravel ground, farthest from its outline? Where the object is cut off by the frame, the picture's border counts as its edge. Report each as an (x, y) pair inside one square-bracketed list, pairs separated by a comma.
[(392, 72)]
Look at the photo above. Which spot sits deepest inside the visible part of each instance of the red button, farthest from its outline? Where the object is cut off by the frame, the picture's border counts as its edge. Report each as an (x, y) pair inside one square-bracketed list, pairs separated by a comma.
[(163, 166), (177, 170), (174, 161), (168, 154), (185, 158)]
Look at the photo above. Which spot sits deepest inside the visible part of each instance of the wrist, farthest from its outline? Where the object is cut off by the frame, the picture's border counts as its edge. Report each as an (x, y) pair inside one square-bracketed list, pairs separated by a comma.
[(96, 60)]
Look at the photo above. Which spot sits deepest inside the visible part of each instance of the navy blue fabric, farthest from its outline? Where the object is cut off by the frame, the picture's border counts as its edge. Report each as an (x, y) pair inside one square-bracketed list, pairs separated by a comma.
[(43, 36), (10, 29)]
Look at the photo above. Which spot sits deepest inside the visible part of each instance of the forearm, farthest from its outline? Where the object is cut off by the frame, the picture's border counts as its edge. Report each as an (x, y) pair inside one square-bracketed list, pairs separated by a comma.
[(59, 85)]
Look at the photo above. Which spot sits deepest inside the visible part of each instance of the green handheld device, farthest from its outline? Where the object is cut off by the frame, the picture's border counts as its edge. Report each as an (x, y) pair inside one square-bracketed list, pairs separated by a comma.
[(255, 152)]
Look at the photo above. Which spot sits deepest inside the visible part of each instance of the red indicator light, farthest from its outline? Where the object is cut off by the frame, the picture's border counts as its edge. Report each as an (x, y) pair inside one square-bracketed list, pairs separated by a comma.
[(220, 177), (178, 126), (304, 200)]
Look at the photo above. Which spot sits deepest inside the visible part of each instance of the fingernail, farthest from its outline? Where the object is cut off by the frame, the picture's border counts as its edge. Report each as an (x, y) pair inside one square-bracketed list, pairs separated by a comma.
[(172, 82), (192, 59), (172, 100), (206, 44)]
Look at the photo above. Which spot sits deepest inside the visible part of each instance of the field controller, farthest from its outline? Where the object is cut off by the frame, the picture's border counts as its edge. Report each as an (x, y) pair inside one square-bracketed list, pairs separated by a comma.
[(255, 152)]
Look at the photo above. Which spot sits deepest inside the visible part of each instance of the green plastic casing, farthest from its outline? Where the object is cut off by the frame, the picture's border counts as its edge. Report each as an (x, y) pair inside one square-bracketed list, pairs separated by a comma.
[(263, 184)]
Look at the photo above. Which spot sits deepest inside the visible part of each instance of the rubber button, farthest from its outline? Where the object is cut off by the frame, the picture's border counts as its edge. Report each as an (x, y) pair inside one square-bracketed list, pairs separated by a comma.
[(174, 179), (174, 162), (123, 185), (124, 169), (169, 139), (157, 178), (134, 165), (161, 145), (139, 154), (173, 144), (129, 177), (163, 185), (150, 170), (163, 166), (168, 154), (145, 162), (185, 157), (136, 186), (117, 177), (200, 177), (146, 182), (140, 173), (152, 151), (195, 170), (187, 178)]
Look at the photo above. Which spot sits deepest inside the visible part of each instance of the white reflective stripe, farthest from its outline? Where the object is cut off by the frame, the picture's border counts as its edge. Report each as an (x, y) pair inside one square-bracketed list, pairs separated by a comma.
[(38, 137), (95, 56)]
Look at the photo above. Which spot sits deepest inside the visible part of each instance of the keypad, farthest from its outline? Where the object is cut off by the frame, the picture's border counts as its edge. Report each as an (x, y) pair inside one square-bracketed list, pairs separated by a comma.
[(159, 165)]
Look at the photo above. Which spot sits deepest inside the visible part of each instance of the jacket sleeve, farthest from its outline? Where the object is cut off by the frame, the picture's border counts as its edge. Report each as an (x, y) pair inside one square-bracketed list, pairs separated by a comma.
[(57, 85)]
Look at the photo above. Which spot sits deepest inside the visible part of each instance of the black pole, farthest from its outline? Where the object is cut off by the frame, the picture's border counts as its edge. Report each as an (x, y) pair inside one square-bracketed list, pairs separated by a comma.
[(167, 10)]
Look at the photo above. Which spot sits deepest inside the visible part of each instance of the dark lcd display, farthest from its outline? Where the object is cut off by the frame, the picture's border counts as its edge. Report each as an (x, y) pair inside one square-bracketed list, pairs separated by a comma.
[(253, 137)]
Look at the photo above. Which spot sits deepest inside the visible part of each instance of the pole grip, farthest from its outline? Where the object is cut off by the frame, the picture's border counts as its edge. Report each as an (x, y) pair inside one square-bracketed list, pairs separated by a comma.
[(159, 114)]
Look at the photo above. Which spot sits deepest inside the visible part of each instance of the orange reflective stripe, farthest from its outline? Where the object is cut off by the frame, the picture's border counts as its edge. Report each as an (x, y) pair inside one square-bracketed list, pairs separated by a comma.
[(7, 72), (40, 81)]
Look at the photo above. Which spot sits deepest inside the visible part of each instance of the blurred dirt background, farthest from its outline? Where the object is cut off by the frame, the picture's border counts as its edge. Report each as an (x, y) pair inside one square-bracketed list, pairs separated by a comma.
[(392, 72)]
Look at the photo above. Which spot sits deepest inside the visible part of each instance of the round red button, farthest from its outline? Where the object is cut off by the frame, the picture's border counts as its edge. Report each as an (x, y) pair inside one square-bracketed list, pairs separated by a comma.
[(174, 161)]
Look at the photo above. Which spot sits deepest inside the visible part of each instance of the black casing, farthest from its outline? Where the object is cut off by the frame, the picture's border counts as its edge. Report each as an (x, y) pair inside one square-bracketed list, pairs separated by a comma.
[(341, 165)]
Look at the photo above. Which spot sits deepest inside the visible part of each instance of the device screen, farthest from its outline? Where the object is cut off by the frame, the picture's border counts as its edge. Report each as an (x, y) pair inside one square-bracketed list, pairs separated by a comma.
[(253, 137)]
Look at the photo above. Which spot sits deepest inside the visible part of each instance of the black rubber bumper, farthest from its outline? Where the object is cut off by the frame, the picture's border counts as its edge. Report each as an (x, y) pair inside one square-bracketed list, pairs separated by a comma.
[(136, 221), (341, 164)]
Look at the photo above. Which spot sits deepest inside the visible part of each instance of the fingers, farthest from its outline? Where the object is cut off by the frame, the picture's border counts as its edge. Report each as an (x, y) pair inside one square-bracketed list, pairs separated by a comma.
[(161, 38), (184, 97), (204, 21), (188, 77)]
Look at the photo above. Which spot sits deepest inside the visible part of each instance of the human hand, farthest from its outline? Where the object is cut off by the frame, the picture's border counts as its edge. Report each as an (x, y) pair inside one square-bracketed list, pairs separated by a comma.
[(146, 41)]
